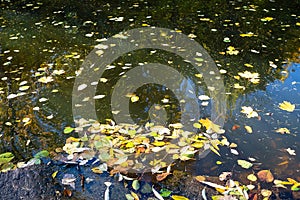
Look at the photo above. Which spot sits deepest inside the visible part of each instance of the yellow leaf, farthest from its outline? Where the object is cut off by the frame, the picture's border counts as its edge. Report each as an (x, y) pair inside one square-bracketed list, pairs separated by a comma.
[(219, 162), (158, 143), (97, 170), (54, 174), (214, 150), (134, 99), (209, 125), (248, 65), (283, 131), (199, 75), (197, 125), (232, 51), (287, 106), (250, 34), (198, 145), (134, 195), (267, 19), (200, 178), (45, 79), (248, 129), (292, 181), (177, 197), (251, 177)]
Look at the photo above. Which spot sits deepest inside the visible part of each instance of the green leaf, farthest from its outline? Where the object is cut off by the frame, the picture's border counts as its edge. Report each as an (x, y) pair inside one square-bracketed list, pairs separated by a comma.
[(135, 185), (41, 154), (244, 164), (129, 197), (68, 130), (165, 192), (6, 157)]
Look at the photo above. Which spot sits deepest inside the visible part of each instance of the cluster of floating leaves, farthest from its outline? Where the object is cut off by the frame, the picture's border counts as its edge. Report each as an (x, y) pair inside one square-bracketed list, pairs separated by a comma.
[(233, 189), (130, 147)]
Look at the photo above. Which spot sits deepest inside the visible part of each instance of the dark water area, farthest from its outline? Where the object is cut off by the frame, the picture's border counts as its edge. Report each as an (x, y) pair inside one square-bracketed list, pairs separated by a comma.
[(51, 39)]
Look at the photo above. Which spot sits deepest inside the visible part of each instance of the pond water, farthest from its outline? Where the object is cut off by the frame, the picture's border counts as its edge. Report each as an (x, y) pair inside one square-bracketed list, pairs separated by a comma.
[(51, 39)]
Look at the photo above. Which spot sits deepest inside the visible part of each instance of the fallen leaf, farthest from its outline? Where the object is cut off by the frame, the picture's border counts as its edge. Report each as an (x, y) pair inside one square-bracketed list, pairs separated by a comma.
[(200, 178), (266, 193), (68, 130), (45, 79), (135, 185), (265, 175), (162, 176), (249, 112), (291, 151), (251, 177), (287, 106), (225, 176), (248, 129), (283, 131), (177, 197), (244, 164)]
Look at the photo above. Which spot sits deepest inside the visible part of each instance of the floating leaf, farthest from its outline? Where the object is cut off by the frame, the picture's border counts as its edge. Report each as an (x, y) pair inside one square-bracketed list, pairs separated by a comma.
[(291, 151), (287, 106), (295, 187), (41, 154), (134, 98), (197, 125), (6, 157), (200, 178), (165, 192), (267, 19), (135, 185), (23, 88), (209, 125), (266, 193), (177, 197), (244, 164), (225, 176), (283, 131), (54, 174), (232, 51), (162, 176), (68, 130), (249, 111), (135, 196), (265, 175), (248, 129), (129, 197), (45, 79), (156, 194), (251, 177)]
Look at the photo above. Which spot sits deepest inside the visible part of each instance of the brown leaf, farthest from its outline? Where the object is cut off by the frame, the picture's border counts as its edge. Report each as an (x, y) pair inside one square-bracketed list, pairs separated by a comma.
[(67, 193), (265, 175), (200, 178), (162, 176), (234, 127)]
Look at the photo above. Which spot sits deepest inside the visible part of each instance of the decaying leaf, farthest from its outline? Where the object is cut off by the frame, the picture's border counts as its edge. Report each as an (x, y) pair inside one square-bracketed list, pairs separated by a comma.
[(265, 175), (200, 178)]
